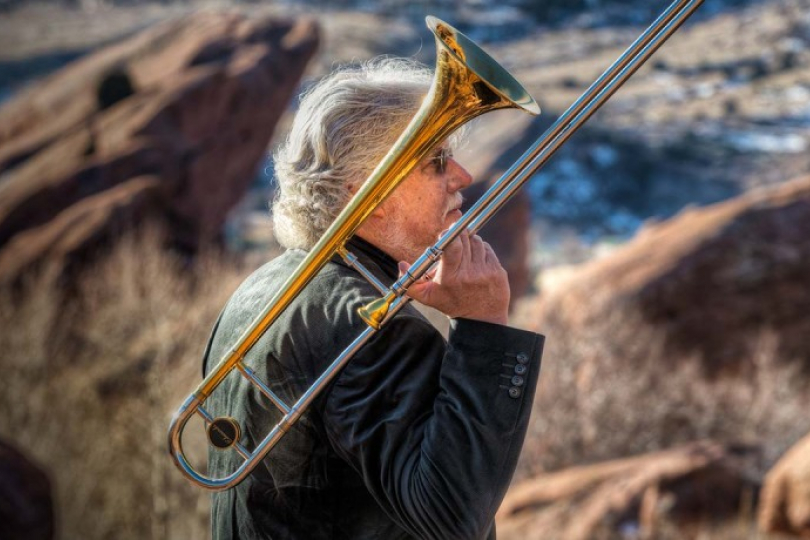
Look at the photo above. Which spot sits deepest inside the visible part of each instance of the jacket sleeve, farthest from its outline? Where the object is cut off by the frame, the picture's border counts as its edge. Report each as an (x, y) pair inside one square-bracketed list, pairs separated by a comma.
[(435, 428)]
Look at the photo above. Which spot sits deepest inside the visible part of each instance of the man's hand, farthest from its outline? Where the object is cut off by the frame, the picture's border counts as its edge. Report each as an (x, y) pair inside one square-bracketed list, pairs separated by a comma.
[(468, 282)]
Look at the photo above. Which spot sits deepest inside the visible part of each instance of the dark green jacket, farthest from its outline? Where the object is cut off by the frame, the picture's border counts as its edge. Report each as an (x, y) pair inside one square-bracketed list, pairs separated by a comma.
[(416, 438)]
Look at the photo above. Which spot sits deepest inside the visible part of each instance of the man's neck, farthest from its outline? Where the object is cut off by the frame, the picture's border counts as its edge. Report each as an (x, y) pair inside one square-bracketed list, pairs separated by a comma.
[(389, 245)]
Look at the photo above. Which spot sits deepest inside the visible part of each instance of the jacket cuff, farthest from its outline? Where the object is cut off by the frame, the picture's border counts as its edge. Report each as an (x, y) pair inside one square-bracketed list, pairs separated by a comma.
[(508, 356)]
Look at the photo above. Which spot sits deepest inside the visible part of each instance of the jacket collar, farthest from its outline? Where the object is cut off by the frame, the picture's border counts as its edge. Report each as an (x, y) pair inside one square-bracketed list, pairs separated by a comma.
[(368, 252)]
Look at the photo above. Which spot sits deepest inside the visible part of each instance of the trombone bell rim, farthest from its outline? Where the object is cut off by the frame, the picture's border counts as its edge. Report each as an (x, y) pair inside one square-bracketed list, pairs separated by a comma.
[(482, 64)]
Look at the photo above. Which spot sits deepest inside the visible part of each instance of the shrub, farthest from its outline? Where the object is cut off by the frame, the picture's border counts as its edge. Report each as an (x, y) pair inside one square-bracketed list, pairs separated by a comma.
[(608, 391)]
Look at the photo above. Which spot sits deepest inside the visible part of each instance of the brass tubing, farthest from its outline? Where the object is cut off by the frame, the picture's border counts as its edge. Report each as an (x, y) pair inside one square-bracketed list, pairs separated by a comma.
[(570, 121), (542, 150), (394, 300), (435, 121), (467, 83)]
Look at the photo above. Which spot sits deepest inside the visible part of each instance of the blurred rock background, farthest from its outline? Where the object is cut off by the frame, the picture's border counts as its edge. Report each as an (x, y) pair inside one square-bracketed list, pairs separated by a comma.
[(663, 250)]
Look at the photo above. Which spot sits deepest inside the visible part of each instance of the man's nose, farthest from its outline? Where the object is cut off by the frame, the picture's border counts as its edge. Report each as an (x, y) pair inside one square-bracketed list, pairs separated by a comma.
[(459, 177)]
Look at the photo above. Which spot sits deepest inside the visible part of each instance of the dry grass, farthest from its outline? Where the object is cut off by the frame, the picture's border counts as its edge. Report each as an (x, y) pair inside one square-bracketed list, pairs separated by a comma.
[(92, 380), (609, 391)]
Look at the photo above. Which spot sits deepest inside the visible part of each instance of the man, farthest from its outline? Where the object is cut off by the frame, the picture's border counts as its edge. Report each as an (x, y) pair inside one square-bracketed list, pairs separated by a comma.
[(417, 437)]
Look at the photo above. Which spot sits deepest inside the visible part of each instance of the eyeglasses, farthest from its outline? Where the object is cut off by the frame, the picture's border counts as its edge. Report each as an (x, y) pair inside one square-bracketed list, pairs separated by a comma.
[(441, 160)]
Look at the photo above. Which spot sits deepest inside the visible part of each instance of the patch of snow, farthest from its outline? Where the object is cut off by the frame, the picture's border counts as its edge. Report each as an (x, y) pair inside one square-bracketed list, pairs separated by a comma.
[(789, 143), (604, 155)]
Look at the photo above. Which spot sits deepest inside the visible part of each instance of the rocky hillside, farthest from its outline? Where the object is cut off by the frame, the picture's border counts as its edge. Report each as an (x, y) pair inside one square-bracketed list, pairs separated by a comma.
[(117, 137), (635, 362), (724, 106)]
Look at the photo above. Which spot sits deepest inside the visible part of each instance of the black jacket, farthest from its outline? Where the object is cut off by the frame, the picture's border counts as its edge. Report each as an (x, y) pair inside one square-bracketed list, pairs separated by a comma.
[(417, 437)]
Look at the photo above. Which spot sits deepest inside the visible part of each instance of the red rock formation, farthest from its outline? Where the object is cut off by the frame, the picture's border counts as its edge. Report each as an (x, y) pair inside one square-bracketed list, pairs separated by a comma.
[(26, 505), (508, 234), (686, 485), (190, 104), (711, 279), (508, 230), (785, 501), (70, 237)]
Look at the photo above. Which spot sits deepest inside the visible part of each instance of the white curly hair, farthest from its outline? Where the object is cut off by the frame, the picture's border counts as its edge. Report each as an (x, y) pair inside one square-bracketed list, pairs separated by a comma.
[(345, 125)]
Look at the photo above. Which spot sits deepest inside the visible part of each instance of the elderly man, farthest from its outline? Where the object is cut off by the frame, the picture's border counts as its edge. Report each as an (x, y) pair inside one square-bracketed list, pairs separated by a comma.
[(418, 437)]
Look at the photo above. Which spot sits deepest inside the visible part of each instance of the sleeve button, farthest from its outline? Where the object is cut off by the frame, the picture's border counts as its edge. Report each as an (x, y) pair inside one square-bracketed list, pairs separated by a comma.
[(514, 392), (517, 380), (522, 358), (520, 369)]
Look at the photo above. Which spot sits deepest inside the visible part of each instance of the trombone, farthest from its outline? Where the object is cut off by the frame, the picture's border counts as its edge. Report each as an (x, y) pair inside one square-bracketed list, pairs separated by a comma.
[(467, 83)]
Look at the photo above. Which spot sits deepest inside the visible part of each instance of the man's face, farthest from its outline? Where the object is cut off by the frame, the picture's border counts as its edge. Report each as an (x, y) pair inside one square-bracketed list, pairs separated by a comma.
[(426, 203)]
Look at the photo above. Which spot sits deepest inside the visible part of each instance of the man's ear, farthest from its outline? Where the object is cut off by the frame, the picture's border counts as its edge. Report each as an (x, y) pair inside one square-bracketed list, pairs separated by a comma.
[(380, 212)]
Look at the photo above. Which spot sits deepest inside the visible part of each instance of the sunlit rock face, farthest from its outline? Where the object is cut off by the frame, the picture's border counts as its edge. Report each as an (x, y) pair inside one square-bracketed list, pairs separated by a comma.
[(171, 123), (630, 497), (712, 280), (785, 502)]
